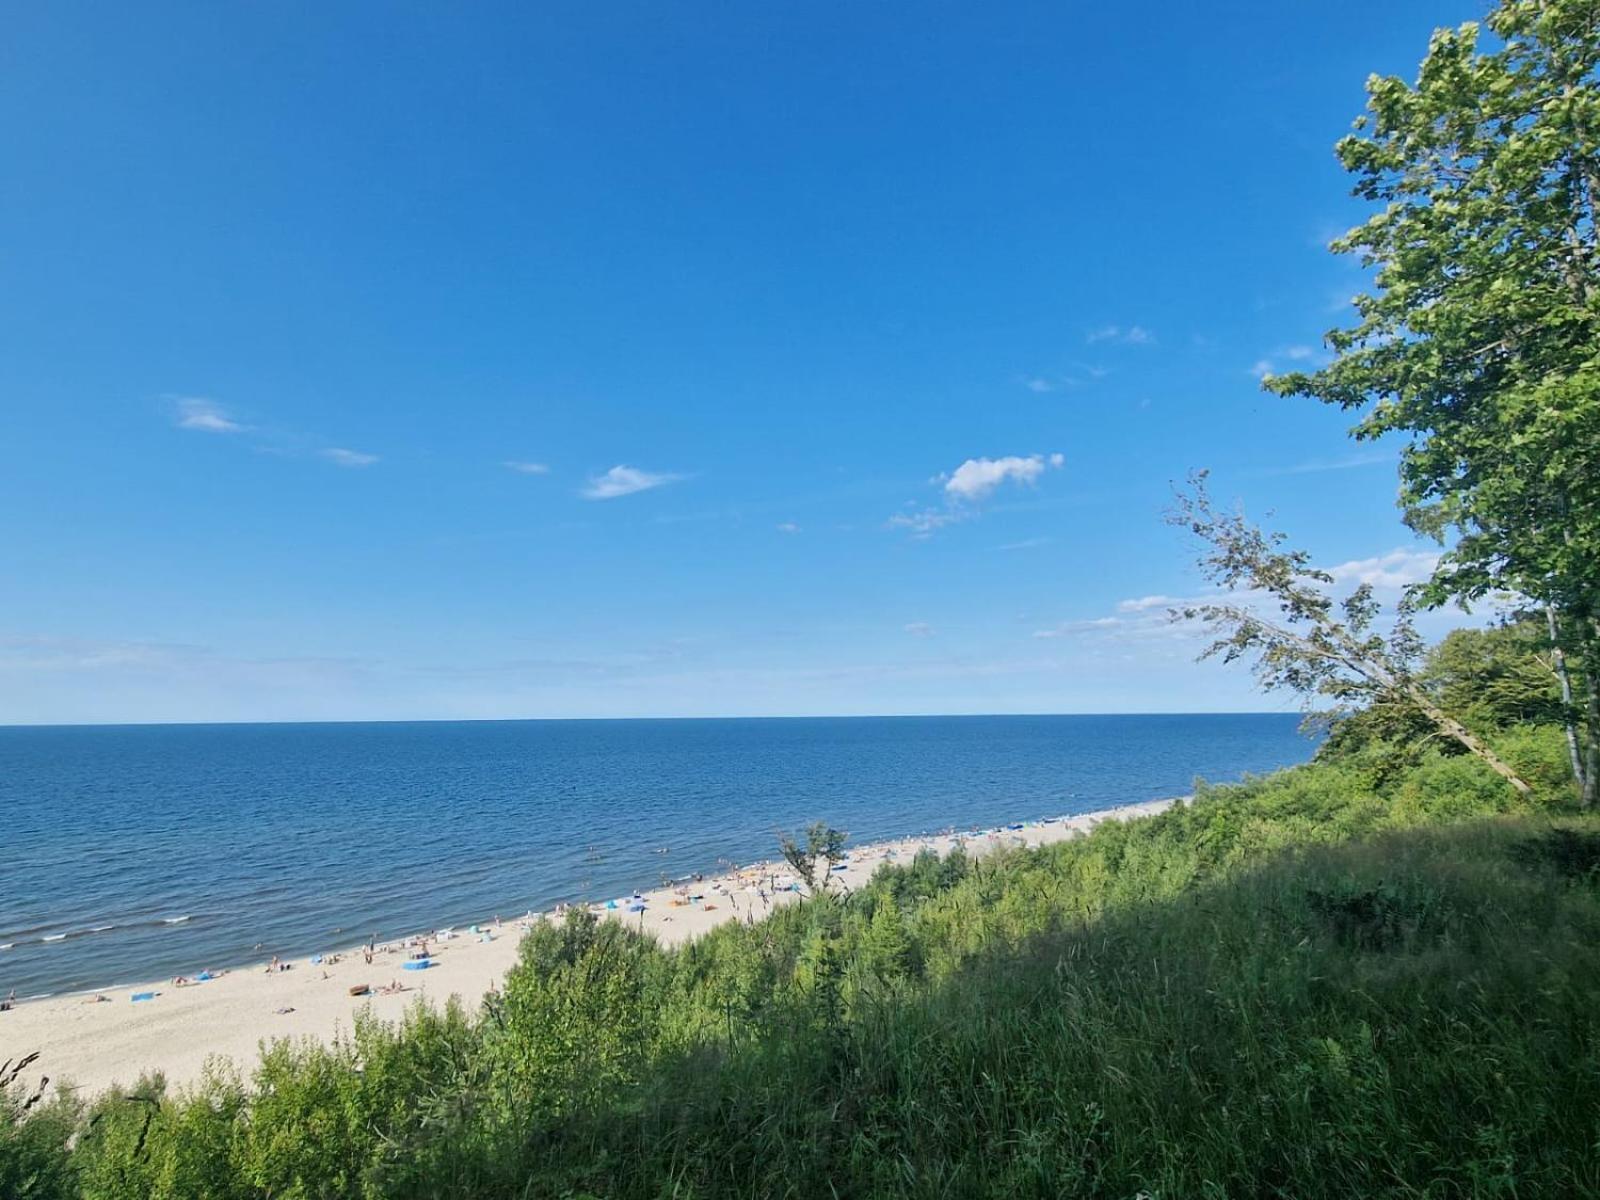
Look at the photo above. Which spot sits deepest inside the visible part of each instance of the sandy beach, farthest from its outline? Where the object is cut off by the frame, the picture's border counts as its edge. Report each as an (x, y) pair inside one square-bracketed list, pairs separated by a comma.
[(92, 1044)]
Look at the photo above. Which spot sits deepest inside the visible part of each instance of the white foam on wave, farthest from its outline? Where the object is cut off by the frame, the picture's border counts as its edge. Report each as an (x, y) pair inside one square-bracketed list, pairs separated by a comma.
[(6, 945), (54, 937), (100, 928), (174, 920)]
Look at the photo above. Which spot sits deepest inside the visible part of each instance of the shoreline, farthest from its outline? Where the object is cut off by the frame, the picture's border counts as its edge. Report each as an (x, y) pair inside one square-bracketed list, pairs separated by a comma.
[(176, 1029)]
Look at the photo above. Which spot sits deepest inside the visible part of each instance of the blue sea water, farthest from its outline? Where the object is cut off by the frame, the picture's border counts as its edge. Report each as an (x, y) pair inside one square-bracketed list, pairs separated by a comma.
[(139, 852)]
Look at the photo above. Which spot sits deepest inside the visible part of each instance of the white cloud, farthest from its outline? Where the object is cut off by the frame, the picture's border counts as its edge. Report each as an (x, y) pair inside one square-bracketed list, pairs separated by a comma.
[(339, 456), (919, 629), (1132, 335), (1025, 544), (527, 468), (788, 527), (977, 477), (1394, 570), (624, 481), (1262, 367), (1299, 353), (970, 483), (206, 416), (1040, 384)]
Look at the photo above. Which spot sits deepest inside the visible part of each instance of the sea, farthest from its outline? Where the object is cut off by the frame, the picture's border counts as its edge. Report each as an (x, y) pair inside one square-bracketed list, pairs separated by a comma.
[(137, 852)]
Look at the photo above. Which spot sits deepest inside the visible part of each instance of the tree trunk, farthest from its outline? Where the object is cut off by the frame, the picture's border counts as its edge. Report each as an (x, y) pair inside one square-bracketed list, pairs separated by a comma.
[(1568, 716), (1590, 783), (1467, 738)]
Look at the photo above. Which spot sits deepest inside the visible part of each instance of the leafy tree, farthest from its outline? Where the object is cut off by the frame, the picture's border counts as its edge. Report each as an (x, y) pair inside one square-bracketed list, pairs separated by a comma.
[(1314, 646), (1388, 738), (1493, 679), (1480, 338), (885, 944), (36, 1133), (824, 847), (572, 1025), (1496, 677)]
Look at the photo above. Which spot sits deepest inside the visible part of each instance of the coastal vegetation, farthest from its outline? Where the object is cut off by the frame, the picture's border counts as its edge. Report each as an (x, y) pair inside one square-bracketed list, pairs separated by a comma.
[(1377, 974), (1374, 975)]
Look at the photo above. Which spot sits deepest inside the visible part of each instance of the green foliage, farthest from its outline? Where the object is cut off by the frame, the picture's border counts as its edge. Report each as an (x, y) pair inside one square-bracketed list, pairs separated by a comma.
[(822, 850), (1494, 680), (1316, 983), (1480, 341), (1312, 644), (35, 1130), (574, 1025)]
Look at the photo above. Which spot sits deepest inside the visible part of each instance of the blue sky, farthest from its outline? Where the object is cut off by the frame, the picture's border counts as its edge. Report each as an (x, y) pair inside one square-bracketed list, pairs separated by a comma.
[(413, 360)]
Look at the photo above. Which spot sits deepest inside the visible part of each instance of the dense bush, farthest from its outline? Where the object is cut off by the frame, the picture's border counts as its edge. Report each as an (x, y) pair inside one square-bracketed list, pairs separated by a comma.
[(1318, 983)]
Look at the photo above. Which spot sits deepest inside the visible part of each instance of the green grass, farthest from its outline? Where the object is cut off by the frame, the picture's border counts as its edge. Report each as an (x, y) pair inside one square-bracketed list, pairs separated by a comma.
[(1323, 983)]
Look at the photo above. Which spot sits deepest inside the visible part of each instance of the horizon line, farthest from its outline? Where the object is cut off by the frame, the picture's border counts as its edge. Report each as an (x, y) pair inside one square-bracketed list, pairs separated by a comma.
[(910, 716)]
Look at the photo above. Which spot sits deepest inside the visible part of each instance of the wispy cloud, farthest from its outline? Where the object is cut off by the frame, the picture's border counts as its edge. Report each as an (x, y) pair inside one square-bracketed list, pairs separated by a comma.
[(1025, 544), (201, 415), (919, 629), (1312, 466), (527, 468), (1142, 618), (625, 481), (45, 652), (788, 527), (341, 457), (1120, 335), (1077, 375), (1069, 628), (1146, 603), (1303, 356), (922, 522), (1040, 385), (205, 416)]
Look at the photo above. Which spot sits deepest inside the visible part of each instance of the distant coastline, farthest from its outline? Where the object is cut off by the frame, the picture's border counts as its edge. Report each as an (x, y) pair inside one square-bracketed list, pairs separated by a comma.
[(177, 1028), (145, 852)]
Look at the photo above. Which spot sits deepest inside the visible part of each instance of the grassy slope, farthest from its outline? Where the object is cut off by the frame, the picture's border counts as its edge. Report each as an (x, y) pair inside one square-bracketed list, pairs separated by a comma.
[(1305, 986)]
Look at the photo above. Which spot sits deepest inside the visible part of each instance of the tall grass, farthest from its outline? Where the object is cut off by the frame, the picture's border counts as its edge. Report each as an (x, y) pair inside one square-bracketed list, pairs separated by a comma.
[(1321, 983)]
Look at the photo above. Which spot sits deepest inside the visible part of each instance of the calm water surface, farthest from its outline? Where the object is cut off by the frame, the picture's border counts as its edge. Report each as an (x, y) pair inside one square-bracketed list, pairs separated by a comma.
[(139, 852)]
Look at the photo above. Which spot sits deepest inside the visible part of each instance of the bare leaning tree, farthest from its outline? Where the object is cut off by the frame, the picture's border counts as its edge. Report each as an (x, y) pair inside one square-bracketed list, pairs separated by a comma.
[(1278, 611)]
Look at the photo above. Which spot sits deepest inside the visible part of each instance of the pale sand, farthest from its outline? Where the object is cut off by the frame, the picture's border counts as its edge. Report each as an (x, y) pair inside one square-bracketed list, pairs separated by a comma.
[(93, 1045)]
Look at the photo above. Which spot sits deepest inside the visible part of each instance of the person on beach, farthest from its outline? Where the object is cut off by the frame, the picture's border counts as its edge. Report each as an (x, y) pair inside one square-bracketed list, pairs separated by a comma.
[(272, 967), (9, 1002)]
